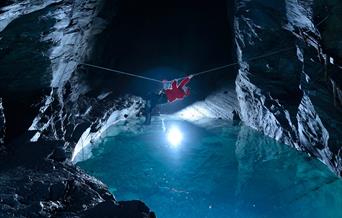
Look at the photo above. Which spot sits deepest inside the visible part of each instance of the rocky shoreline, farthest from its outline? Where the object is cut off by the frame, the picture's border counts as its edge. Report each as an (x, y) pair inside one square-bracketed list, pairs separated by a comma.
[(50, 186), (293, 96)]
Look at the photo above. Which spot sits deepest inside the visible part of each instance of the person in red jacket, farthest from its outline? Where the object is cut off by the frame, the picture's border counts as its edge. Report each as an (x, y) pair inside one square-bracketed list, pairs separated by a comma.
[(166, 95), (178, 91)]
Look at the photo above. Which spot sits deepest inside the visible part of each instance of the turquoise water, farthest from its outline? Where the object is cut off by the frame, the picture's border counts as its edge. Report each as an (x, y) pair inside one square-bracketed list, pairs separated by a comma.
[(222, 171)]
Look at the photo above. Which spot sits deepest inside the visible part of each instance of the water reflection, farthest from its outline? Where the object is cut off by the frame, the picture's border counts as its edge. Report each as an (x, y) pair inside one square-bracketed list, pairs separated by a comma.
[(224, 171), (277, 181)]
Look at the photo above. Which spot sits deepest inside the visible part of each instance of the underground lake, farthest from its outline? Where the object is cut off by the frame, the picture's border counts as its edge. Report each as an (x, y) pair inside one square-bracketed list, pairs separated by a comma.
[(180, 169)]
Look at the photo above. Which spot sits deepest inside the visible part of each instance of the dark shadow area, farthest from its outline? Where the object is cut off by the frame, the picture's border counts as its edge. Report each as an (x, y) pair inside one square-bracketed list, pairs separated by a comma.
[(4, 3), (24, 70), (163, 40)]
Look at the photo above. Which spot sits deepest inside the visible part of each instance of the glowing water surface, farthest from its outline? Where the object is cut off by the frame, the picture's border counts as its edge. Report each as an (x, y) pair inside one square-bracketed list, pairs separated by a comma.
[(221, 171)]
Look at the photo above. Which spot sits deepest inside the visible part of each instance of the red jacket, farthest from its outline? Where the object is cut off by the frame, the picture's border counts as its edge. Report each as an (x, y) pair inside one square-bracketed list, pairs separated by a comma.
[(177, 91)]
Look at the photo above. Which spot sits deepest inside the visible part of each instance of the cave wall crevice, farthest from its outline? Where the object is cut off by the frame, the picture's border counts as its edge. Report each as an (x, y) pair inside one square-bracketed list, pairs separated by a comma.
[(288, 95)]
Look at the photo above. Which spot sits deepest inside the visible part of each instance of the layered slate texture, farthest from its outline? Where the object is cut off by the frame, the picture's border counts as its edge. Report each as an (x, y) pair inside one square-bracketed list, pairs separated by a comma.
[(290, 92)]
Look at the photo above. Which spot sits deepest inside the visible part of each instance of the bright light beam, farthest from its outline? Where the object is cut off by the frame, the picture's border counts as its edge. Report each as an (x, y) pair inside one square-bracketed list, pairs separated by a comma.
[(174, 136)]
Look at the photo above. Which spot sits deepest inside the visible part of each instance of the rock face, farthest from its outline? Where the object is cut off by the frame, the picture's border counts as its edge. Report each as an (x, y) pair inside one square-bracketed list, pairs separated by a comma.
[(76, 24), (21, 8), (222, 104), (328, 17), (37, 179), (2, 125), (40, 187), (124, 113), (291, 92)]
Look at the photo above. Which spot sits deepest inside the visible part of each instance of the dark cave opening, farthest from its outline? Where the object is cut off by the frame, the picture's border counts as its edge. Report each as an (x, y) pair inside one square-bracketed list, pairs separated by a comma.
[(164, 40), (73, 144)]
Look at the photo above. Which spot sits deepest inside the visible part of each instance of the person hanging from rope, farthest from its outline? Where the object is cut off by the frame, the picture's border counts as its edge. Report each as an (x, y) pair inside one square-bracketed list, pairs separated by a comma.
[(177, 91), (166, 95)]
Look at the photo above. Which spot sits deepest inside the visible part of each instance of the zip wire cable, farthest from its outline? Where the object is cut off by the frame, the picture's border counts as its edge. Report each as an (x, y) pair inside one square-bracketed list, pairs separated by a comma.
[(253, 58), (236, 63), (323, 20), (122, 72), (193, 75), (205, 71), (201, 72)]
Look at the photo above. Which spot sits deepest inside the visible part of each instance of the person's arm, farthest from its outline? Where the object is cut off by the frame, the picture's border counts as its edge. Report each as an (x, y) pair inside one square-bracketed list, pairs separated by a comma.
[(174, 84), (184, 82), (166, 84)]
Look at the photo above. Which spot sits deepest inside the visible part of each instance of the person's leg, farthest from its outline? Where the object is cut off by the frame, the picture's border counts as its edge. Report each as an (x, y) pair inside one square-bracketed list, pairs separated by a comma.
[(151, 103), (148, 118), (153, 100), (148, 111), (162, 98)]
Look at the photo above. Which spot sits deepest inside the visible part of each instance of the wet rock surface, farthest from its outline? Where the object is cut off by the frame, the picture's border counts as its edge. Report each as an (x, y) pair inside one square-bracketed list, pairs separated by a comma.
[(292, 94), (41, 187), (37, 179), (2, 127)]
